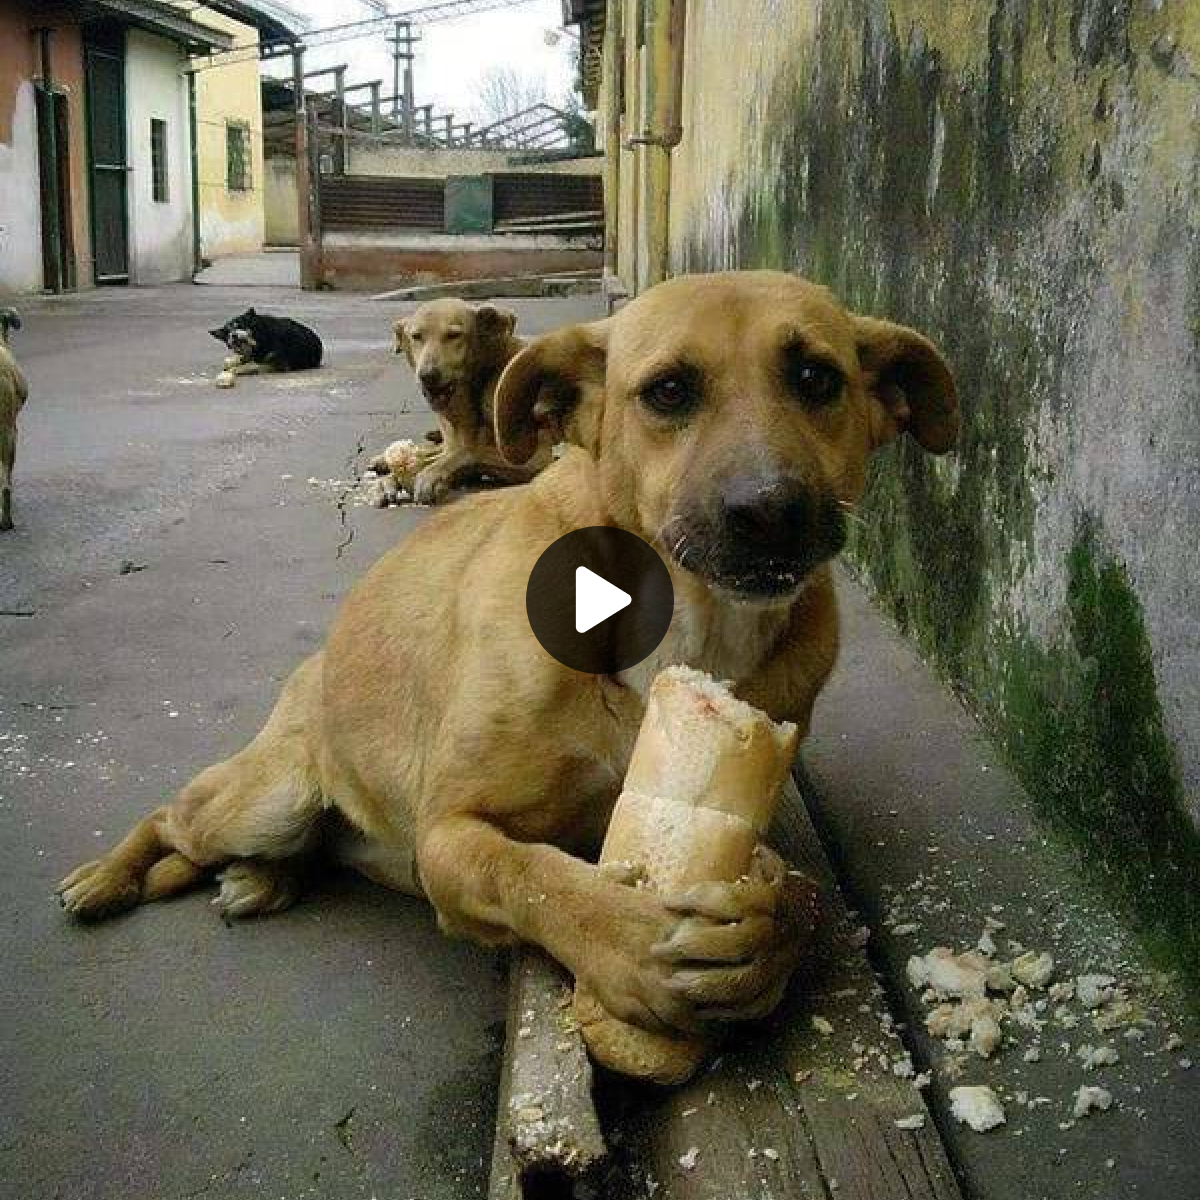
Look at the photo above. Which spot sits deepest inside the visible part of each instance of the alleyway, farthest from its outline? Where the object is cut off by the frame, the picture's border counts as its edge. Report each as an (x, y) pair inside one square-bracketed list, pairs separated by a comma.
[(178, 549)]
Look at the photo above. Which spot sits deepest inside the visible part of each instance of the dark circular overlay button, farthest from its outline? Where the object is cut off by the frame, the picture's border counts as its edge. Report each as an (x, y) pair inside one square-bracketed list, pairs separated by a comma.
[(599, 600)]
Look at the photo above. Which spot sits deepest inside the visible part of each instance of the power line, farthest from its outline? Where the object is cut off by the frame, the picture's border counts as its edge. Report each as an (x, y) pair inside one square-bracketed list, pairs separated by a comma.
[(331, 35)]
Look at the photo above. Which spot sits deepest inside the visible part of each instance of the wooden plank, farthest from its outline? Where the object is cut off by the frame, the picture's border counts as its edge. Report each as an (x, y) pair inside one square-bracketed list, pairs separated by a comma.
[(547, 1129), (804, 1107)]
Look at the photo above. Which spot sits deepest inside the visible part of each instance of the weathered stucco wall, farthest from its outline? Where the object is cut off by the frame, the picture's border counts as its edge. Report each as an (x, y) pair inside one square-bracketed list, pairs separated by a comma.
[(20, 202), (1020, 179), (231, 222), (280, 202), (160, 232)]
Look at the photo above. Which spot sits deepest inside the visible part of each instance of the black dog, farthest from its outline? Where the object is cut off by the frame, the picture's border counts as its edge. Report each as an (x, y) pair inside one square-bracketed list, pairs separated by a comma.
[(263, 343)]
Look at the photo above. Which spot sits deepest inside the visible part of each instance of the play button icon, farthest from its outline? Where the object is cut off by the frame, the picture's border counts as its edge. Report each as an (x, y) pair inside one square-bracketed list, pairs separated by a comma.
[(599, 600), (596, 599)]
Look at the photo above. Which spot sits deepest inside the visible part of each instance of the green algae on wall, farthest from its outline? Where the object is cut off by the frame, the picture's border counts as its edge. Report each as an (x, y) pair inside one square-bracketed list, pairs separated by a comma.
[(996, 180), (1083, 725)]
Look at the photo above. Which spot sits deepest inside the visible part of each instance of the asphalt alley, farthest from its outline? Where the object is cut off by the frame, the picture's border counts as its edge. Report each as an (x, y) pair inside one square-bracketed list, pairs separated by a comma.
[(178, 550)]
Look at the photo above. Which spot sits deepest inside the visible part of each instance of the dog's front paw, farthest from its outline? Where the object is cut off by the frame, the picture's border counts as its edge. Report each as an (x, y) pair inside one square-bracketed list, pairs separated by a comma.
[(252, 888), (429, 488), (97, 889), (737, 944), (233, 360), (226, 379)]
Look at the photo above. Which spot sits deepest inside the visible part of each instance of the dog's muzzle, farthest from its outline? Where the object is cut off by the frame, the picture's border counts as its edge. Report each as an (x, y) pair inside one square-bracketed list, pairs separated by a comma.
[(241, 341), (760, 538), (436, 388)]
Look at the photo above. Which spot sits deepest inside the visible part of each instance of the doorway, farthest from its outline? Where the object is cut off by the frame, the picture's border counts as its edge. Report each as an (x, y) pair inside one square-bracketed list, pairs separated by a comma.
[(108, 165)]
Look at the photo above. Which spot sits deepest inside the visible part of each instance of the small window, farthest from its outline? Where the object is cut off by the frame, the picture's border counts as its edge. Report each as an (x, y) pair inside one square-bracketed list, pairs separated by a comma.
[(158, 161), (237, 156)]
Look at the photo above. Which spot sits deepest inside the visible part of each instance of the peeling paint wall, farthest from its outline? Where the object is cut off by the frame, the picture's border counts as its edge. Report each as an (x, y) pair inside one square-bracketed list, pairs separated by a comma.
[(20, 204), (1021, 180), (21, 268)]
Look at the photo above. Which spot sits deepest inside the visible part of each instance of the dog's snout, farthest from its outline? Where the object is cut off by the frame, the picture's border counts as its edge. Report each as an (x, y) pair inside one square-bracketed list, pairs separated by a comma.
[(430, 377), (775, 512)]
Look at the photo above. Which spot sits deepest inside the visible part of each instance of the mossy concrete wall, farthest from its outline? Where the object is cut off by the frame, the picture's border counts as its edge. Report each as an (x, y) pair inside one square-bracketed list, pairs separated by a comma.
[(1021, 180)]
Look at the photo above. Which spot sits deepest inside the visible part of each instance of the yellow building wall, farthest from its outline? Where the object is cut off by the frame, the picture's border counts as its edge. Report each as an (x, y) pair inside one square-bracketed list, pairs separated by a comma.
[(230, 222), (1019, 182)]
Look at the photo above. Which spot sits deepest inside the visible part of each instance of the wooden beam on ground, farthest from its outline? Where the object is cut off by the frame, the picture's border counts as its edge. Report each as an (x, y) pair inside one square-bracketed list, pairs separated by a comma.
[(547, 1132), (805, 1107)]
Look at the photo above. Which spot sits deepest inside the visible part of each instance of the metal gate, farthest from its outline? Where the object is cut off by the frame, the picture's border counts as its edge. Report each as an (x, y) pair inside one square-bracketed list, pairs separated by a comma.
[(104, 61)]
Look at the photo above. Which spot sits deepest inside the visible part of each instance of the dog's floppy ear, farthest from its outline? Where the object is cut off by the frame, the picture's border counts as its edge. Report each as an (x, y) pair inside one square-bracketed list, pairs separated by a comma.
[(911, 384), (493, 322), (556, 382)]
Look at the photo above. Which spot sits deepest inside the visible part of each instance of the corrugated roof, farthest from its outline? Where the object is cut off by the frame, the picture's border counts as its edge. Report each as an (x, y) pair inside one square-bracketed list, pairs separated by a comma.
[(151, 15), (273, 20)]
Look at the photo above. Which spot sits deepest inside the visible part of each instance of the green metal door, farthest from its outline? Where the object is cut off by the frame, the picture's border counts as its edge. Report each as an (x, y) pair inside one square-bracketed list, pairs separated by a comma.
[(104, 60)]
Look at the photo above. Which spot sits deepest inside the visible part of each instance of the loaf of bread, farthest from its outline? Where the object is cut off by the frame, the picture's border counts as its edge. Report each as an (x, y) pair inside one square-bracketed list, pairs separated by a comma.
[(703, 782)]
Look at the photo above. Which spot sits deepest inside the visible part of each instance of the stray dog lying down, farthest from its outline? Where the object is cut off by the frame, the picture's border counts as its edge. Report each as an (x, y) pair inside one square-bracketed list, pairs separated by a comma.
[(457, 352), (264, 343), (14, 391), (725, 419)]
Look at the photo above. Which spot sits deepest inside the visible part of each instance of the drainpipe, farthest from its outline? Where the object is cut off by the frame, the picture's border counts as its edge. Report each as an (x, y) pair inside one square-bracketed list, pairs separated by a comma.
[(52, 206), (194, 155), (663, 30), (613, 73)]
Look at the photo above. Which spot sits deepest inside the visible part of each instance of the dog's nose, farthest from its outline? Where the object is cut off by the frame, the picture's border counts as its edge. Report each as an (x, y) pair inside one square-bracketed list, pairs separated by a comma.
[(775, 512), (431, 377)]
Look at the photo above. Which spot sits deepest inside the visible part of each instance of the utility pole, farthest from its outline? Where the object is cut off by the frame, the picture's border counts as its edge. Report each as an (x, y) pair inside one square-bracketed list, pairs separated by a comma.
[(403, 42)]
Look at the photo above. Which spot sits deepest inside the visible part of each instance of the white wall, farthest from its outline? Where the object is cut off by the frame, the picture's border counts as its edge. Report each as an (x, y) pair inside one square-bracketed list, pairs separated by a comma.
[(20, 206), (160, 234)]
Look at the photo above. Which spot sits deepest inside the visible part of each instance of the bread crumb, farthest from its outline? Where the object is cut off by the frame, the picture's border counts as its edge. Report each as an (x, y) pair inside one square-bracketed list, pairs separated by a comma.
[(1094, 990), (916, 1121), (979, 1107), (688, 1159), (1089, 1099), (822, 1026), (1032, 969), (1096, 1057)]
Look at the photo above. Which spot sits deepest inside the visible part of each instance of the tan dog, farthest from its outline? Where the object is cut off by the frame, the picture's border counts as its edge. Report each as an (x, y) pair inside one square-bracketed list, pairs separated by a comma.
[(726, 419), (457, 353), (14, 391)]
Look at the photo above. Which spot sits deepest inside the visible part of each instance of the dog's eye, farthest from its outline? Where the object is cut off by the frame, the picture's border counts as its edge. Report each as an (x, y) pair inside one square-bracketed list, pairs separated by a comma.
[(812, 379), (415, 336), (452, 334), (671, 394)]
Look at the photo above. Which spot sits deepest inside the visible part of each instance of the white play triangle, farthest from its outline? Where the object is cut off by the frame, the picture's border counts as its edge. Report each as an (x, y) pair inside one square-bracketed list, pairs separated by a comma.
[(596, 599)]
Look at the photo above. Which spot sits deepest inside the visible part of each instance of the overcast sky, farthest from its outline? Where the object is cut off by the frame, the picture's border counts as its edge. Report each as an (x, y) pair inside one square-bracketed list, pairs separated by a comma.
[(452, 55)]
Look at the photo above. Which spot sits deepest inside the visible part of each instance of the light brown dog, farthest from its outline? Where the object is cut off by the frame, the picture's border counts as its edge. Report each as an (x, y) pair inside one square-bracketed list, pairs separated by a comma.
[(458, 353), (14, 391), (726, 419)]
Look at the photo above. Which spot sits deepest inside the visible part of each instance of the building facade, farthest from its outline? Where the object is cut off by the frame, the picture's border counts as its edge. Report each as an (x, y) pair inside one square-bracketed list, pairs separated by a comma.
[(1020, 182), (231, 183), (130, 138)]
